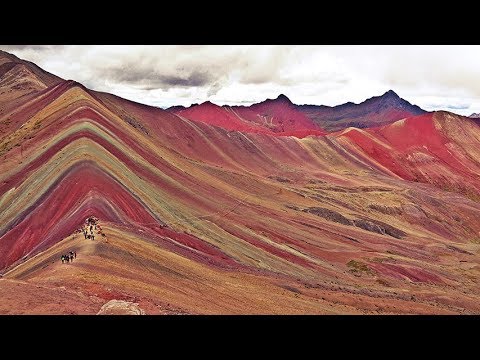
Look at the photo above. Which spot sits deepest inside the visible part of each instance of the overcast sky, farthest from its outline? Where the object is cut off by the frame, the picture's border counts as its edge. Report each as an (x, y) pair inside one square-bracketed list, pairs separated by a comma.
[(433, 77)]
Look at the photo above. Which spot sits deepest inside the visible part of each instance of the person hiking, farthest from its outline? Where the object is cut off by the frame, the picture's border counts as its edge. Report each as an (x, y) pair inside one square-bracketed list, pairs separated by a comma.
[(63, 259), (71, 256)]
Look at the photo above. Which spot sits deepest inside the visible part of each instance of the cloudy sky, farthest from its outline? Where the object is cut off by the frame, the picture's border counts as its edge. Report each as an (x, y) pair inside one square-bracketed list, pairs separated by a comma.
[(433, 77)]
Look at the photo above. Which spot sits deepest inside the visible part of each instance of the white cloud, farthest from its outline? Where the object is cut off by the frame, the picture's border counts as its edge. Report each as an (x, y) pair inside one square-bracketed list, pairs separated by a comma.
[(430, 76)]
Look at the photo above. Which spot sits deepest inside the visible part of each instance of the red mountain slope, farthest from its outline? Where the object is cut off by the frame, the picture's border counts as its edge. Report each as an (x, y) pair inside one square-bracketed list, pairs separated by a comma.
[(275, 117), (439, 148)]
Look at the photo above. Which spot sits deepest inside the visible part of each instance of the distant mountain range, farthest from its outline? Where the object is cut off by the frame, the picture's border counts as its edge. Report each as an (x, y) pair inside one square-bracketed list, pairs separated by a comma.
[(376, 111), (281, 116)]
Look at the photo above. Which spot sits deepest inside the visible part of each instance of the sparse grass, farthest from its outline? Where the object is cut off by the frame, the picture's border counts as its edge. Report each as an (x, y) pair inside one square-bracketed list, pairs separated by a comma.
[(463, 190), (475, 240), (359, 266), (383, 282), (293, 207), (473, 196)]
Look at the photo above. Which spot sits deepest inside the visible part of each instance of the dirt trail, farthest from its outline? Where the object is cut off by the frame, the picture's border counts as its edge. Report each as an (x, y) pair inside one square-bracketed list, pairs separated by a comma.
[(51, 259)]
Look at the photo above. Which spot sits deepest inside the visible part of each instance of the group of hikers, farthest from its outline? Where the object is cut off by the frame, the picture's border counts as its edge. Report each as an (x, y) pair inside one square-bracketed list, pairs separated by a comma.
[(69, 257), (91, 224)]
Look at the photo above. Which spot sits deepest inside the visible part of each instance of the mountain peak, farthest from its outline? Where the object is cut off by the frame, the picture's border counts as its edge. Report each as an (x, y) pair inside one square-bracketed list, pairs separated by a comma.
[(207, 103), (9, 61), (391, 94), (283, 97)]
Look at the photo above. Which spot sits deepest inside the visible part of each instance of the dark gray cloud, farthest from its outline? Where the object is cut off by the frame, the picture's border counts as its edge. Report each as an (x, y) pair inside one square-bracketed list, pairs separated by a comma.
[(150, 79)]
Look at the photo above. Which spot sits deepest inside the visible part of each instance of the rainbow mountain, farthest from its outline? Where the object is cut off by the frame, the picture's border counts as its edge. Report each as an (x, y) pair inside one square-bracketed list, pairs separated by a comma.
[(265, 209)]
